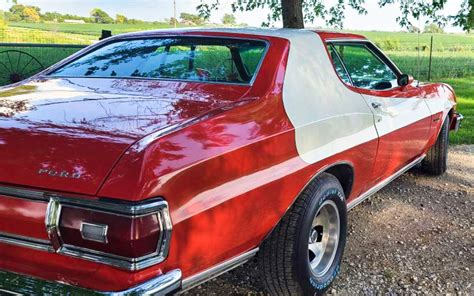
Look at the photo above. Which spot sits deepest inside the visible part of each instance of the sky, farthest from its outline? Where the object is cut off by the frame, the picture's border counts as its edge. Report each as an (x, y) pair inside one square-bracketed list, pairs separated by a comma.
[(381, 19)]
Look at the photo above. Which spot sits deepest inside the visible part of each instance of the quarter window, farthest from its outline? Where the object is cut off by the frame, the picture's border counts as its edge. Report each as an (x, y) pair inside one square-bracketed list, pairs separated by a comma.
[(341, 71), (364, 67)]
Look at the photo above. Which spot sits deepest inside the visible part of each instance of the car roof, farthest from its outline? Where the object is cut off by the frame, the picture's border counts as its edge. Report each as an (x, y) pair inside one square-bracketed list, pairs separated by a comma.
[(271, 32)]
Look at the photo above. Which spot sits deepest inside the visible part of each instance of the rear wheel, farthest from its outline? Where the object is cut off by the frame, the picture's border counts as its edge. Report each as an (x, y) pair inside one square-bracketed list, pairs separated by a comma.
[(436, 160), (302, 255)]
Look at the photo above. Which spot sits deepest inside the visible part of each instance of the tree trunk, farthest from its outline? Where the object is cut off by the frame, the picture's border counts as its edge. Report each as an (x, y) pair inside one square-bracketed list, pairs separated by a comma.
[(292, 12)]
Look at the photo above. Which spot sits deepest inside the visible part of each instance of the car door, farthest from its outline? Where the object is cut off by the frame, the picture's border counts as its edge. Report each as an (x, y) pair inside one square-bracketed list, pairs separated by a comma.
[(401, 117)]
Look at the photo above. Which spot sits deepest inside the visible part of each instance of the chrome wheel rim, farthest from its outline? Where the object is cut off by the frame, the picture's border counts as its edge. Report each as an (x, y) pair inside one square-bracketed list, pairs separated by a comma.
[(324, 238)]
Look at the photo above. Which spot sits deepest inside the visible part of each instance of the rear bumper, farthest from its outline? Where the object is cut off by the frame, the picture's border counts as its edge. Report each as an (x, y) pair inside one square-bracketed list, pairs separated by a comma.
[(17, 284)]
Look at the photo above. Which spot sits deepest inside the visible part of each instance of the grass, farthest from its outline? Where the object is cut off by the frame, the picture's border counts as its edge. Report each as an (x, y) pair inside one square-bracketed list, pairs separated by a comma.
[(444, 64), (410, 41), (464, 88), (90, 29), (23, 35)]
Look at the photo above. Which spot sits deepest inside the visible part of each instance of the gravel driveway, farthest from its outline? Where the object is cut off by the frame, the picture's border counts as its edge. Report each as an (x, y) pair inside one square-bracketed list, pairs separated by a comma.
[(413, 237)]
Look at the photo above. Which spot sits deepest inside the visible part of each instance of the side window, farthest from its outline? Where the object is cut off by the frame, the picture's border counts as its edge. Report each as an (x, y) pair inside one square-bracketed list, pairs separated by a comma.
[(338, 65), (365, 68)]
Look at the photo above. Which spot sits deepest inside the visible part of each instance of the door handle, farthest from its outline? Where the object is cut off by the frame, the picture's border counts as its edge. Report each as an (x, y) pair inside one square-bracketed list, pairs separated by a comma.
[(376, 105)]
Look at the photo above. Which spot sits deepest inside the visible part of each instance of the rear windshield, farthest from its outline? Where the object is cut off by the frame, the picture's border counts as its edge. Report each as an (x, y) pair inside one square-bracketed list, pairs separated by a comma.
[(183, 58)]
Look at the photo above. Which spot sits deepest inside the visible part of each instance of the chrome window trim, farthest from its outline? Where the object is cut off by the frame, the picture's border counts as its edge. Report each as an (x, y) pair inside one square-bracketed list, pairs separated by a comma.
[(47, 72), (378, 53), (331, 45), (56, 202)]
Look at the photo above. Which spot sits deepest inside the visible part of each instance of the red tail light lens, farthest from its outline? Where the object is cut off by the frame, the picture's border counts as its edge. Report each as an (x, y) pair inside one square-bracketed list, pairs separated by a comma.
[(129, 236)]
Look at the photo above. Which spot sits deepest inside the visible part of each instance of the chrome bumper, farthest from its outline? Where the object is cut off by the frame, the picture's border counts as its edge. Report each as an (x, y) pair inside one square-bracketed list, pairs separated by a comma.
[(458, 121), (15, 284)]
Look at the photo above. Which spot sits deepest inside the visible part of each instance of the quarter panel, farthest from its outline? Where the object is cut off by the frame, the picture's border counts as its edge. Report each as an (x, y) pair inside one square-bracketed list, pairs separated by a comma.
[(328, 117)]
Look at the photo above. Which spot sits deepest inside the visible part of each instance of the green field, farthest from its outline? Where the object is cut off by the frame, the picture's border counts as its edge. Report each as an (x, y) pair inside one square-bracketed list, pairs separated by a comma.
[(91, 29), (464, 88)]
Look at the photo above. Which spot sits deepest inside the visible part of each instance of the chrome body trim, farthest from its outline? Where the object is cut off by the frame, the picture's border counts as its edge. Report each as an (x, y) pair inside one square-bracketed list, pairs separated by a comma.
[(383, 183), (27, 242), (57, 202), (164, 284), (208, 274)]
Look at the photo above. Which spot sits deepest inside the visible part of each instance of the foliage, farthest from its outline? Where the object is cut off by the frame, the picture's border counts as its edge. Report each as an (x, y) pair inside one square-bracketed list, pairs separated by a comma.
[(389, 44), (120, 19), (101, 17), (228, 19), (334, 14), (465, 17), (191, 18), (173, 21), (433, 28), (24, 13), (52, 17), (31, 15)]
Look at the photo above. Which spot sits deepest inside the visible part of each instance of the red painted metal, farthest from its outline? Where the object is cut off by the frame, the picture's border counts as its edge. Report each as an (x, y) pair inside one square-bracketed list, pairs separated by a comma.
[(218, 173)]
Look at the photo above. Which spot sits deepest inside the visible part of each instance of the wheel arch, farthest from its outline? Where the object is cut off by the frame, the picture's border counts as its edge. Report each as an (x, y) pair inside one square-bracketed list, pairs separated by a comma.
[(343, 171)]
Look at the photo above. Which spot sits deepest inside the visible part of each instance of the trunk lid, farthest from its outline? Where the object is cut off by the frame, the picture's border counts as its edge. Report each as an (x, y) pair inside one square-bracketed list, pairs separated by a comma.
[(67, 134)]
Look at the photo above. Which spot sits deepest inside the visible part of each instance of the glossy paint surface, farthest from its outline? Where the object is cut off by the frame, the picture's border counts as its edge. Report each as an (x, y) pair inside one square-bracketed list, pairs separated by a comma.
[(22, 217), (226, 158), (66, 134)]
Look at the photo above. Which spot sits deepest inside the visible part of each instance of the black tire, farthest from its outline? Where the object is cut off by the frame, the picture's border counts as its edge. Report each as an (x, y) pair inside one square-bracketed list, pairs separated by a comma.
[(284, 257), (436, 160)]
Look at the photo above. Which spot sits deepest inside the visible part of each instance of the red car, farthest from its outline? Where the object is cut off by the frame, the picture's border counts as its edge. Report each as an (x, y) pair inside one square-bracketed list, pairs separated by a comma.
[(152, 162)]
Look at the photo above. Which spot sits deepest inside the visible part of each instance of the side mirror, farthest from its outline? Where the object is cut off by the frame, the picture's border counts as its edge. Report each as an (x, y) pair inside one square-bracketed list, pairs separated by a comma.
[(404, 80)]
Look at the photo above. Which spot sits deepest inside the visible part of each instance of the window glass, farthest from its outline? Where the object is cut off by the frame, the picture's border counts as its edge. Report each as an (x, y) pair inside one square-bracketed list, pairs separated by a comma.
[(365, 68), (339, 66), (184, 58)]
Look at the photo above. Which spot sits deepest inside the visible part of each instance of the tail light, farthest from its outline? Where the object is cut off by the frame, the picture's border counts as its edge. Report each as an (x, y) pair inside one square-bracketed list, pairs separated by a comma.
[(128, 236)]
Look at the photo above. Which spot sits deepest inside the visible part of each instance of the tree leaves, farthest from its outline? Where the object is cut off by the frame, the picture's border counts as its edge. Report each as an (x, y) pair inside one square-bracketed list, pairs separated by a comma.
[(334, 15)]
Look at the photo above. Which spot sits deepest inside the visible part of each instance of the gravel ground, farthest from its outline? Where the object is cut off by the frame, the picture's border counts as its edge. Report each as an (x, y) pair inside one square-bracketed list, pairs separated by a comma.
[(413, 237)]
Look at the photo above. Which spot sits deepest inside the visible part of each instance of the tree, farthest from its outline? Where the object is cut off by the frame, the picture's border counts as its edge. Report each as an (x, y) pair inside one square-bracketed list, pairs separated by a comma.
[(294, 13), (31, 15), (172, 21), (101, 17), (120, 19), (465, 16), (433, 28), (24, 13), (229, 19), (191, 18), (52, 17)]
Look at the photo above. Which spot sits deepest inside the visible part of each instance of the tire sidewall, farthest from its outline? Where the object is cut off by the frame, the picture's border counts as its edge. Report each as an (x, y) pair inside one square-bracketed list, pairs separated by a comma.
[(310, 283)]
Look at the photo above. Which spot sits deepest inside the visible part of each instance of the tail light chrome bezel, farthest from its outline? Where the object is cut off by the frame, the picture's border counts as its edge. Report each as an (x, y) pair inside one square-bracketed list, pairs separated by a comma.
[(131, 210)]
